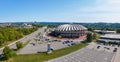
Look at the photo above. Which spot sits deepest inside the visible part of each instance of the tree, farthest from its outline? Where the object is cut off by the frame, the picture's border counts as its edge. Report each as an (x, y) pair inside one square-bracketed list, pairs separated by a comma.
[(89, 37), (7, 53), (19, 45), (39, 34), (59, 36), (118, 30), (45, 29), (1, 39), (95, 36), (90, 29)]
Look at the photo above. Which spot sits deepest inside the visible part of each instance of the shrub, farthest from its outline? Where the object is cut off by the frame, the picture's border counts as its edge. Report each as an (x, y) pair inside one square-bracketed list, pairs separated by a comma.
[(19, 45), (8, 53)]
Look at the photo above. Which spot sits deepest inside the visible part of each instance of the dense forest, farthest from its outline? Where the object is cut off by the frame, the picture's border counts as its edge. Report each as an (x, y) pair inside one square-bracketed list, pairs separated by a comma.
[(92, 25), (9, 34), (102, 26)]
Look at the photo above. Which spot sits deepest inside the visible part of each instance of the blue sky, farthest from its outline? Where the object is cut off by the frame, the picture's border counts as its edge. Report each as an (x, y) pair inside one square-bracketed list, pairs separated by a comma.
[(60, 11)]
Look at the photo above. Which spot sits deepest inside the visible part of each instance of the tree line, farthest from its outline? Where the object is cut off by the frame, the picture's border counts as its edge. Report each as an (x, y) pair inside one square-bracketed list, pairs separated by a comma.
[(8, 34)]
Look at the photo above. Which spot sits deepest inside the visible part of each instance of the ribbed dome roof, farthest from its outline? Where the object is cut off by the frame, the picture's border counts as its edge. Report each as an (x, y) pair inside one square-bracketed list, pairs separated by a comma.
[(70, 27)]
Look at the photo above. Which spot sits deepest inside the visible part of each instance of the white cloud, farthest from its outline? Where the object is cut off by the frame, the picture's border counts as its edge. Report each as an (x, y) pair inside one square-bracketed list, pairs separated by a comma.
[(103, 11), (104, 6)]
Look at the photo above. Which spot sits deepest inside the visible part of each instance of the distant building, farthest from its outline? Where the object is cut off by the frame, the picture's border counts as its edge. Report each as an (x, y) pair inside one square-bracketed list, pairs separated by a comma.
[(5, 24), (110, 38), (26, 25), (105, 32)]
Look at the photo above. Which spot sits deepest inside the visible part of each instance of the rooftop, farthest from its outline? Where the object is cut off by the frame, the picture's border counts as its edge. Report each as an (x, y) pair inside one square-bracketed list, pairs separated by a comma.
[(70, 27), (111, 36), (103, 31)]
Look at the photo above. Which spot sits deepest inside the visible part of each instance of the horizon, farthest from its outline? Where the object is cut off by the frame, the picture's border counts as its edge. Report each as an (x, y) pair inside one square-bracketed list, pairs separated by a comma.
[(76, 11), (60, 22)]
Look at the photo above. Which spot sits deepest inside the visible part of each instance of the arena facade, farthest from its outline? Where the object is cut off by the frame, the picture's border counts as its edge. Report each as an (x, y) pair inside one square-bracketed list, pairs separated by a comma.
[(69, 31)]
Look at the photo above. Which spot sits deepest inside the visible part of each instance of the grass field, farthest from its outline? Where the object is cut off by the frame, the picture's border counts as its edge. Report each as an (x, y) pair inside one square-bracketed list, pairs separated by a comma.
[(41, 57)]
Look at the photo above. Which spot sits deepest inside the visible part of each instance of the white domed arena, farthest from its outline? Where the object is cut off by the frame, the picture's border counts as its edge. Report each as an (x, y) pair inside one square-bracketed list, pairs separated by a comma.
[(69, 31)]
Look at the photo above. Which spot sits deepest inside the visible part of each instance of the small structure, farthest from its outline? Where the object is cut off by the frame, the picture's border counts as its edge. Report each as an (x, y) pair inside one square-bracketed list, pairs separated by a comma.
[(49, 49)]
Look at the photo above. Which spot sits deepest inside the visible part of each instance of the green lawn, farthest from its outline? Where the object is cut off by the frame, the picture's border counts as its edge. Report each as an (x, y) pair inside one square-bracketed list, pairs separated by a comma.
[(44, 57)]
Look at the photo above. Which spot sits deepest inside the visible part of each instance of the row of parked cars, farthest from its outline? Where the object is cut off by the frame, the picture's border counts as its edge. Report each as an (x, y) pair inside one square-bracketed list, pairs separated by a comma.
[(69, 43), (115, 49)]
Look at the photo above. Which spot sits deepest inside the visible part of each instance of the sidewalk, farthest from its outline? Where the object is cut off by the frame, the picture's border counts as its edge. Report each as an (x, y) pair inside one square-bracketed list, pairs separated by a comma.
[(117, 56)]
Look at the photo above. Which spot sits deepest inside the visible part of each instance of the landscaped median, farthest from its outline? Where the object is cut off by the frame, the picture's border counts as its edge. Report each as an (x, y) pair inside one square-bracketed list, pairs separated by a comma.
[(41, 57)]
